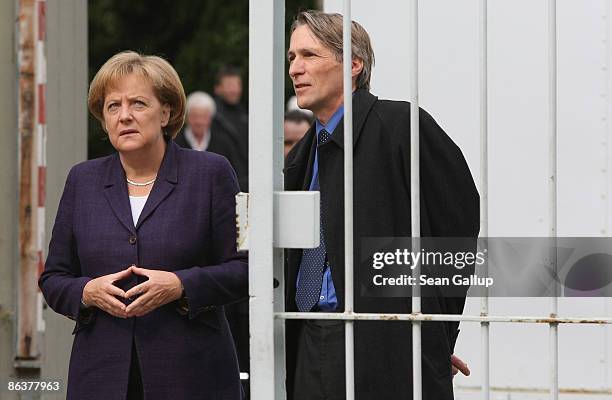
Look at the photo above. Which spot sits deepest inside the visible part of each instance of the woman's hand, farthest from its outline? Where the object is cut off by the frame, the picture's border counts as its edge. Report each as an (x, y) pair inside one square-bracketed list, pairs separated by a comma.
[(162, 288), (100, 292)]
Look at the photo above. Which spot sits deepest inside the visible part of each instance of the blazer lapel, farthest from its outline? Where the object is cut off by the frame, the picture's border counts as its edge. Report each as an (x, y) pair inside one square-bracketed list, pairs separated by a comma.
[(362, 104), (298, 172), (115, 191), (167, 178), (310, 159)]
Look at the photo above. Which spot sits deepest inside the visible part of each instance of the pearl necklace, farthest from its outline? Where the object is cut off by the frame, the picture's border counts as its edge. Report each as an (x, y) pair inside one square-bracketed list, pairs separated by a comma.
[(147, 183)]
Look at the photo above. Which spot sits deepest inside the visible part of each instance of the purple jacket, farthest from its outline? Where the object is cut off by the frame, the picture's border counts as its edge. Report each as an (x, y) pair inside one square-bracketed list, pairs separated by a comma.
[(187, 226)]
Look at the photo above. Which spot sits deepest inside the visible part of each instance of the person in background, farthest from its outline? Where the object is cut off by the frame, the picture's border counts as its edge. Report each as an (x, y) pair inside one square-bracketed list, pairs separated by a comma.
[(204, 131), (296, 124), (293, 105), (200, 111), (233, 116), (381, 187)]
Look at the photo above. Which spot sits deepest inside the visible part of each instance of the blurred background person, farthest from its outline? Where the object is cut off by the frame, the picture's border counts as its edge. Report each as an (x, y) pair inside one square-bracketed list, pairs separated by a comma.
[(233, 121), (293, 105), (205, 132), (232, 115), (200, 110), (296, 124)]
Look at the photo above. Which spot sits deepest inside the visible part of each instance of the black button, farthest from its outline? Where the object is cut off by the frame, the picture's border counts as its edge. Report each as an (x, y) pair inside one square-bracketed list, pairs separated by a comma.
[(132, 239)]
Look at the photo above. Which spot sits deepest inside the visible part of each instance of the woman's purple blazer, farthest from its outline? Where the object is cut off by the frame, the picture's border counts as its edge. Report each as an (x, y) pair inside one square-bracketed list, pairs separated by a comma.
[(188, 227)]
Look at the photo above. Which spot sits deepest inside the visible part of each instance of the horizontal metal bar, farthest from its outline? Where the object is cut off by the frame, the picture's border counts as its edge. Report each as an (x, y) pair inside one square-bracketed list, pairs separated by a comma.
[(441, 317), (21, 363), (535, 390)]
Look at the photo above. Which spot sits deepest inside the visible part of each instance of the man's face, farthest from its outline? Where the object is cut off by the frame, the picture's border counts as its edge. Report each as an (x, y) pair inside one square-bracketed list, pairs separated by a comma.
[(316, 74), (230, 89), (198, 119), (294, 131)]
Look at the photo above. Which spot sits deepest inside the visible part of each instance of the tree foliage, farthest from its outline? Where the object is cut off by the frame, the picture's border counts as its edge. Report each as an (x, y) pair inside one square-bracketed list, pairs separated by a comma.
[(196, 36)]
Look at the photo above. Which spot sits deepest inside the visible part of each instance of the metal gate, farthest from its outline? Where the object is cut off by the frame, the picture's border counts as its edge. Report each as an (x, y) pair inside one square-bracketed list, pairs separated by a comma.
[(266, 261)]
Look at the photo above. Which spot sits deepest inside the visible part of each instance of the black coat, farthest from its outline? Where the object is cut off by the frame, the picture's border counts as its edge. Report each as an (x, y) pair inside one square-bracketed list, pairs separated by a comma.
[(449, 208)]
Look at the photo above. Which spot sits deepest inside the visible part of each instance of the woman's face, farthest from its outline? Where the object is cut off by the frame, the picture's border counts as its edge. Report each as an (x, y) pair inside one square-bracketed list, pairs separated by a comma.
[(133, 116)]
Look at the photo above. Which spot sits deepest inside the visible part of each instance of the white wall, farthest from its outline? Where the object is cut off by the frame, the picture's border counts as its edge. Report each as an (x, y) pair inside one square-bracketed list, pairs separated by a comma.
[(518, 199)]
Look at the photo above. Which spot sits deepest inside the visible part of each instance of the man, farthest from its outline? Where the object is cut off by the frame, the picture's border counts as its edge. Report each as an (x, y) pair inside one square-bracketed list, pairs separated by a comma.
[(228, 93), (206, 130), (315, 277), (296, 124)]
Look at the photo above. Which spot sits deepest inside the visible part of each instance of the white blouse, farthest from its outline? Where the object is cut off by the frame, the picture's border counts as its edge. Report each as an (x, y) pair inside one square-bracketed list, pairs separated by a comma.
[(137, 204)]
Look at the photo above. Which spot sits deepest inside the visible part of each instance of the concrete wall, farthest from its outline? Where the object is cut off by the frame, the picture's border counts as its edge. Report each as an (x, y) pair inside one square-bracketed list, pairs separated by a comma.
[(66, 145)]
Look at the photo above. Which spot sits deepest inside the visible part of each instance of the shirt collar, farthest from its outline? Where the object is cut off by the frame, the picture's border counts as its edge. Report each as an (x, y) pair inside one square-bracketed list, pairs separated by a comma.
[(333, 121), (193, 142)]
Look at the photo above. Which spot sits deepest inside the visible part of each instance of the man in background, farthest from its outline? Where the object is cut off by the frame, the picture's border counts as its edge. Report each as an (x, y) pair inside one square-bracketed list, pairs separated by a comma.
[(205, 129), (296, 124), (232, 114)]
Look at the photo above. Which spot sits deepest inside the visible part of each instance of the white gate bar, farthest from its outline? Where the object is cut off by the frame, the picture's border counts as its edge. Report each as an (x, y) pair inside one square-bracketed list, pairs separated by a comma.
[(348, 197), (443, 317), (552, 188), (266, 83), (484, 196), (415, 200)]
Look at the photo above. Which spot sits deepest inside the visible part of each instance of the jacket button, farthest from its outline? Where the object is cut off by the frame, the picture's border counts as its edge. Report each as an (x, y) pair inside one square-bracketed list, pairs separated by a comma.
[(132, 239)]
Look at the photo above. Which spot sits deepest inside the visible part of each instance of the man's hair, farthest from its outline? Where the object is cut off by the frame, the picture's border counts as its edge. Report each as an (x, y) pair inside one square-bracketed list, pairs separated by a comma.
[(201, 100), (327, 28), (298, 116), (226, 71)]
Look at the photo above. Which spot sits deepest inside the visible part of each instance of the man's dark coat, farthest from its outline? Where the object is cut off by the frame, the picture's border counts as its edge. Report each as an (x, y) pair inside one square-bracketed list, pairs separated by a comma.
[(449, 208)]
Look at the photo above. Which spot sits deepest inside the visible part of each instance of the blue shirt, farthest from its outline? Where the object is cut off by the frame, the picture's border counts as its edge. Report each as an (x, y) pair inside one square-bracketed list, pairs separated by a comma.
[(327, 298)]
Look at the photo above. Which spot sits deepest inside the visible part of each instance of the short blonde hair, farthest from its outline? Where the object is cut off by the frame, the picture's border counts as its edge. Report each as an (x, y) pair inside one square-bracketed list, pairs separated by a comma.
[(158, 72)]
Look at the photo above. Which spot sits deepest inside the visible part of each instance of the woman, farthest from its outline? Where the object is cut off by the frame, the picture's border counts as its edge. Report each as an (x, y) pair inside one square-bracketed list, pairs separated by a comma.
[(143, 252)]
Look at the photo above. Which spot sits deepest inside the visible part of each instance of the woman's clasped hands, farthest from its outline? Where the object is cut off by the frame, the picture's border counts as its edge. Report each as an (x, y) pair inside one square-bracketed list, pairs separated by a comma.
[(161, 287)]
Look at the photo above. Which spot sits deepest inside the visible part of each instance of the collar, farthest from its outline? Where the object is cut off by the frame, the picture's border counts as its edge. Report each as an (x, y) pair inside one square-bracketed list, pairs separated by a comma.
[(332, 123), (193, 142), (168, 170)]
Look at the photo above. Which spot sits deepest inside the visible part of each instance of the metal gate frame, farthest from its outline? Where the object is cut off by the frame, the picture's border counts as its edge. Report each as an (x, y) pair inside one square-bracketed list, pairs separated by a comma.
[(266, 84)]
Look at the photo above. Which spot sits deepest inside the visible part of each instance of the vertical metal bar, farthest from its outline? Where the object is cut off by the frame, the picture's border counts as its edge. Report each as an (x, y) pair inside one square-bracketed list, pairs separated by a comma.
[(605, 140), (484, 195), (552, 189), (266, 47), (278, 79), (27, 343), (67, 83), (415, 199), (606, 174), (348, 198)]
